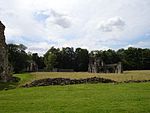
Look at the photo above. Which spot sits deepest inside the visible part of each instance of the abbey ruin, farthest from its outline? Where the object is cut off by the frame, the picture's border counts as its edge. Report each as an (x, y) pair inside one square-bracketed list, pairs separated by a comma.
[(97, 65), (4, 68)]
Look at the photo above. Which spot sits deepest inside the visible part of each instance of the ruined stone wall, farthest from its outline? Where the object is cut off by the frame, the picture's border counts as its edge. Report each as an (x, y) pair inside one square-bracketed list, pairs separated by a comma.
[(4, 71), (67, 81), (96, 65)]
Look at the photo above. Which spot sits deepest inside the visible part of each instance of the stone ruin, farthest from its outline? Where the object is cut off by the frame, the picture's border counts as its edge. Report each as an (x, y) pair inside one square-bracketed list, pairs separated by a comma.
[(62, 70), (97, 65), (67, 81), (4, 68), (33, 67)]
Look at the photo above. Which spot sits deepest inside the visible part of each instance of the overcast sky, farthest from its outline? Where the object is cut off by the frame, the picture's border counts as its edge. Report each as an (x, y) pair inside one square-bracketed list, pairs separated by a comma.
[(90, 24)]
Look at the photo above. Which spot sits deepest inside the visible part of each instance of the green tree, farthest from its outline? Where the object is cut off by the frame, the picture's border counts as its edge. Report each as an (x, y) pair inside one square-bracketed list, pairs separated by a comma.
[(68, 58), (38, 60), (145, 59), (18, 58), (51, 58), (81, 59)]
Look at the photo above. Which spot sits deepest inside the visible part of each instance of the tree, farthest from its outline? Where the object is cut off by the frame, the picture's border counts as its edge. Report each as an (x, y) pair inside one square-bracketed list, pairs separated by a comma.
[(109, 56), (145, 59), (38, 60), (134, 58), (68, 58), (81, 59), (51, 58), (17, 57)]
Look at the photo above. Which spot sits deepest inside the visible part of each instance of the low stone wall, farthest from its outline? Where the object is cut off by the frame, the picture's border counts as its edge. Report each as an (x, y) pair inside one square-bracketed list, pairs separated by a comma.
[(62, 70), (66, 81), (136, 81)]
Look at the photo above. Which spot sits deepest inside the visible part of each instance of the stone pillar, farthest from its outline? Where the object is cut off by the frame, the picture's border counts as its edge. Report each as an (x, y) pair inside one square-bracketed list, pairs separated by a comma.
[(119, 67), (4, 69)]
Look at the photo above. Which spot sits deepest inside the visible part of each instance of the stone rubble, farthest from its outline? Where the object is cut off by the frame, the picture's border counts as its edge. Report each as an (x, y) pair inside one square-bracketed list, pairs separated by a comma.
[(67, 81)]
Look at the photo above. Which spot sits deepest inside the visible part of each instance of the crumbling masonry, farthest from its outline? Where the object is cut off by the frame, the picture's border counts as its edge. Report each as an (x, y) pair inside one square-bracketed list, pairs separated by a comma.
[(4, 68), (96, 65)]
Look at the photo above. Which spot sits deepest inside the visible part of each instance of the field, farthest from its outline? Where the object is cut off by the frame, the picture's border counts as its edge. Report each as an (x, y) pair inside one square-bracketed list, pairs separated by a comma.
[(127, 75), (83, 98)]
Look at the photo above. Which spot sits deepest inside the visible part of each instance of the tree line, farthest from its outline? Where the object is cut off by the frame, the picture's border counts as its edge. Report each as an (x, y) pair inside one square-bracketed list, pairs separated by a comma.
[(77, 59)]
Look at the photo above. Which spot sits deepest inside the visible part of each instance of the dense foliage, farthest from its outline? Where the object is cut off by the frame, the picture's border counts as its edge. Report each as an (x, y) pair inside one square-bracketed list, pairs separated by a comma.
[(20, 60), (67, 58), (135, 58), (17, 57), (78, 59)]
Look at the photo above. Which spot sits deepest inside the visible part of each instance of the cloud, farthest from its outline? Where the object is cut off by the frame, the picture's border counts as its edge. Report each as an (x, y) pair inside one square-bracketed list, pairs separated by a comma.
[(98, 24), (63, 22), (38, 48), (144, 44), (115, 23), (147, 34), (141, 44), (53, 17)]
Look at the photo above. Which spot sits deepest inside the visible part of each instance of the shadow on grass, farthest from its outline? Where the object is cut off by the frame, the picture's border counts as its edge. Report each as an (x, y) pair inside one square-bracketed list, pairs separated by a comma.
[(9, 85)]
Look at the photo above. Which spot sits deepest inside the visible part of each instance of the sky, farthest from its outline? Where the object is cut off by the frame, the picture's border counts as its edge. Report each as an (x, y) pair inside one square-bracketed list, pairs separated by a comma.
[(89, 24)]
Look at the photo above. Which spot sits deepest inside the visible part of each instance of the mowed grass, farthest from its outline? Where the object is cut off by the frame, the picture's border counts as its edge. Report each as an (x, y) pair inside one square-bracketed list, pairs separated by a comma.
[(83, 98), (24, 78), (127, 75)]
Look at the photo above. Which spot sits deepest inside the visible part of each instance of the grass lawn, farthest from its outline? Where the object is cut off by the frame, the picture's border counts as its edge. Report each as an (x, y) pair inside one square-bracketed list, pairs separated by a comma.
[(83, 98), (89, 98), (24, 78), (29, 77)]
